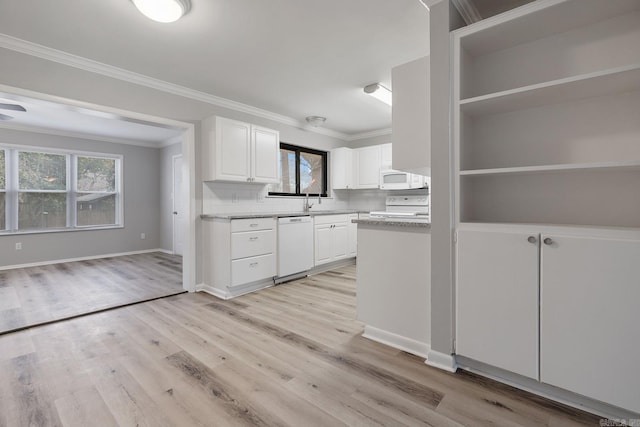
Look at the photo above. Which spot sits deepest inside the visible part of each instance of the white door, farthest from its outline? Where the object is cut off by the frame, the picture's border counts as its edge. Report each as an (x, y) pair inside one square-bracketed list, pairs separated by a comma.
[(353, 236), (323, 244), (589, 332), (265, 151), (497, 299), (179, 223)]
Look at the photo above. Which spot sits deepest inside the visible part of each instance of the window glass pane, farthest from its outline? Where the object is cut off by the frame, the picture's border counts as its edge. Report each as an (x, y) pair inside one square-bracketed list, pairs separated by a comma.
[(42, 171), (96, 209), (3, 219), (287, 163), (2, 177), (311, 166), (95, 174), (42, 210)]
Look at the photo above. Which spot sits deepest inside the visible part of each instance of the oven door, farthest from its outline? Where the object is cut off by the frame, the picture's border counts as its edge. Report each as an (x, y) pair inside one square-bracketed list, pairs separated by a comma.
[(394, 180)]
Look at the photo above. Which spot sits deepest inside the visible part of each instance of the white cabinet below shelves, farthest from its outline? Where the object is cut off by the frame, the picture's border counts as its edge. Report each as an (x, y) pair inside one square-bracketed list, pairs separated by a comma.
[(331, 238), (589, 335), (236, 151), (558, 308), (497, 299)]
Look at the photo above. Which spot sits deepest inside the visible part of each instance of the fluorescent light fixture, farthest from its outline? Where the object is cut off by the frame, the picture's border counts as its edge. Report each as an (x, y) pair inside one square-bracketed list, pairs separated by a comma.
[(379, 92), (163, 10)]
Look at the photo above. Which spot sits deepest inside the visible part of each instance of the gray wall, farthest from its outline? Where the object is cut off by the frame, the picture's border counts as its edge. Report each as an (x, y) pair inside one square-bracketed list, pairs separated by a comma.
[(166, 196), (141, 190)]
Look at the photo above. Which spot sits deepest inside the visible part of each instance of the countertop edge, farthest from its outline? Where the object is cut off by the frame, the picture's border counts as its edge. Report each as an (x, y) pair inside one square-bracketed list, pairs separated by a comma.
[(276, 214), (392, 223)]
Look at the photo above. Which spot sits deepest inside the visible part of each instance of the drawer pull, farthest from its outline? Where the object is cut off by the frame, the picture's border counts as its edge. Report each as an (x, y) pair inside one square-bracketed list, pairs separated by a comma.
[(253, 264), (253, 225), (253, 239)]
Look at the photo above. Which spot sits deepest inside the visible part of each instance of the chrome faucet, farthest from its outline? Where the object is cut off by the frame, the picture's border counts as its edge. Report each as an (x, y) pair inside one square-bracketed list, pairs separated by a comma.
[(307, 205)]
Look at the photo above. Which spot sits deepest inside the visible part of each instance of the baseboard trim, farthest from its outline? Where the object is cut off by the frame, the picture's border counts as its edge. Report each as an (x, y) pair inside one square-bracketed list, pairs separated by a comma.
[(444, 361), (235, 291), (84, 258), (400, 342), (331, 266), (547, 391)]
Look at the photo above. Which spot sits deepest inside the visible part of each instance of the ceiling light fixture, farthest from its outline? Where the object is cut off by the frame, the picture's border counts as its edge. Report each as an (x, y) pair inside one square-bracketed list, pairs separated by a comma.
[(163, 10), (316, 121), (379, 92)]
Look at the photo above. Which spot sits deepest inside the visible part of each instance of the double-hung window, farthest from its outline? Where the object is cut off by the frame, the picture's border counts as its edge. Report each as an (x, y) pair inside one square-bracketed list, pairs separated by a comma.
[(46, 190), (302, 171)]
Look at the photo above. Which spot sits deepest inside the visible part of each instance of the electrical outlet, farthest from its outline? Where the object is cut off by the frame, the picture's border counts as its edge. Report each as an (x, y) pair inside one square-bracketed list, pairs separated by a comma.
[(19, 246), (143, 236)]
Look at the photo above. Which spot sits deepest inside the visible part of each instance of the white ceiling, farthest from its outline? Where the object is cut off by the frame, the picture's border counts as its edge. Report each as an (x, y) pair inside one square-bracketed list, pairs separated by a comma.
[(292, 57)]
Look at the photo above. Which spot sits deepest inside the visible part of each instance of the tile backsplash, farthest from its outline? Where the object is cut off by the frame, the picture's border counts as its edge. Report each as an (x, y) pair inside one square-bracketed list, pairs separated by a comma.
[(220, 197)]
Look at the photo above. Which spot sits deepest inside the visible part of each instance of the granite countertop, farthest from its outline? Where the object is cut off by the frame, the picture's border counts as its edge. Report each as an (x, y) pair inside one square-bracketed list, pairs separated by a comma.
[(240, 215), (395, 222)]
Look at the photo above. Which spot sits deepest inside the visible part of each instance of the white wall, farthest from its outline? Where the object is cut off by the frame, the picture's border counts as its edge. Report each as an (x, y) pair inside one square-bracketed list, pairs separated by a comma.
[(166, 194), (141, 191)]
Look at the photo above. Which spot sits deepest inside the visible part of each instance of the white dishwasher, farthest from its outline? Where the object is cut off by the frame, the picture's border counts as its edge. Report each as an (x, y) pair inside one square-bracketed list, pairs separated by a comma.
[(295, 247)]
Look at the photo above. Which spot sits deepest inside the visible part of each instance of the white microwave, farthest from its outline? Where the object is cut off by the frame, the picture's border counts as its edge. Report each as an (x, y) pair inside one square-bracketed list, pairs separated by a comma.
[(391, 179)]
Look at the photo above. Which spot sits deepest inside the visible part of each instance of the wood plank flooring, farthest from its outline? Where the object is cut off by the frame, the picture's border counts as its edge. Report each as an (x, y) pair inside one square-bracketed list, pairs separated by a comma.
[(36, 295), (291, 355)]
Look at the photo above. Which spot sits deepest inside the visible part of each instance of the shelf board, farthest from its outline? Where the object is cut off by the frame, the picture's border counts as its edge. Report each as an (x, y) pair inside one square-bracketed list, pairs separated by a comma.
[(607, 82), (629, 165), (536, 20)]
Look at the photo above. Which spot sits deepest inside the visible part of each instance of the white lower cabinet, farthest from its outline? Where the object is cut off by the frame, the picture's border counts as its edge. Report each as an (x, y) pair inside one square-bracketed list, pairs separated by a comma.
[(589, 327), (242, 255), (583, 291), (352, 229), (497, 300), (331, 238)]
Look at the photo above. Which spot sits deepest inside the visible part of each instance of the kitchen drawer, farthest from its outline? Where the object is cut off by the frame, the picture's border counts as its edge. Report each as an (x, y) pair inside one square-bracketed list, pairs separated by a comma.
[(330, 219), (252, 243), (252, 224), (252, 269)]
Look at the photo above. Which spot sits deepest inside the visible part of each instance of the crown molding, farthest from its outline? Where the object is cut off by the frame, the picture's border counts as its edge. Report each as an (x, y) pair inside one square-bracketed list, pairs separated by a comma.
[(371, 134), (85, 136), (71, 60), (468, 11)]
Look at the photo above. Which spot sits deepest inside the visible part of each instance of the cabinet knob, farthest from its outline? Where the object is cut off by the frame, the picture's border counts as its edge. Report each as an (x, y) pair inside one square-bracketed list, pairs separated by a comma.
[(532, 239), (548, 241)]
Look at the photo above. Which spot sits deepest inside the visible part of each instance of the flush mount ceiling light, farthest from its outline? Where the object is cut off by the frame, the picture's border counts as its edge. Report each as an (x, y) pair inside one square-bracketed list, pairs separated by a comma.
[(379, 92), (316, 121), (163, 10)]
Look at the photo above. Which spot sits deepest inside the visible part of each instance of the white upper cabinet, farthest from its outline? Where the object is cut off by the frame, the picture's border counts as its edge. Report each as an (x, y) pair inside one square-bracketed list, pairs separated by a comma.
[(386, 156), (368, 167), (342, 168), (239, 151), (411, 113), (265, 151)]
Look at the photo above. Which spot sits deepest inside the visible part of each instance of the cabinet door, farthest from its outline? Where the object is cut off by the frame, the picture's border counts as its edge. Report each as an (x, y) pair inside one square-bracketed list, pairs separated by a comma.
[(233, 140), (589, 334), (323, 244), (353, 236), (386, 156), (497, 299), (411, 117), (265, 144), (340, 240), (342, 168), (368, 167)]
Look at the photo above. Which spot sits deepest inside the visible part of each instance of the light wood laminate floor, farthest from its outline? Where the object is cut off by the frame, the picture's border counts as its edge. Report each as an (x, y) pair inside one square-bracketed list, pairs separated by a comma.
[(291, 355), (36, 295)]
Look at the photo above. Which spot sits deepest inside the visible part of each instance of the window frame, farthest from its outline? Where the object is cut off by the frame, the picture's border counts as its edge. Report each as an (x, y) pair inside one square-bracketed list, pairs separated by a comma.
[(297, 150), (12, 189)]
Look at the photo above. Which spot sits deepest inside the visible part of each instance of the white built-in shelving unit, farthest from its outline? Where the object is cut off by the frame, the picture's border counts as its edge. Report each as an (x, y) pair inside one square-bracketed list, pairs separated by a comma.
[(547, 115)]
